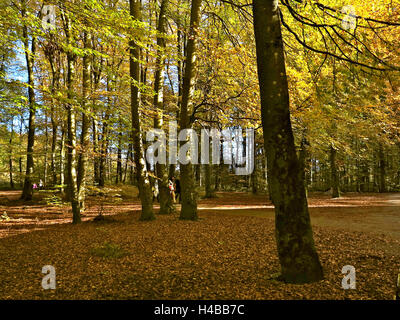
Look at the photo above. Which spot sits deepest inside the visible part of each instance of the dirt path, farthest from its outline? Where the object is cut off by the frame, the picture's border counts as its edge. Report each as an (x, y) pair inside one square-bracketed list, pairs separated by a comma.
[(375, 213)]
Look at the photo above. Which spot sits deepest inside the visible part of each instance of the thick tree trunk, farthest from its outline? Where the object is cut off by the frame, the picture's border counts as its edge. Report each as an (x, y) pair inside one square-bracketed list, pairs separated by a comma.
[(334, 173), (71, 130), (188, 188), (146, 196), (165, 198), (27, 191), (297, 254)]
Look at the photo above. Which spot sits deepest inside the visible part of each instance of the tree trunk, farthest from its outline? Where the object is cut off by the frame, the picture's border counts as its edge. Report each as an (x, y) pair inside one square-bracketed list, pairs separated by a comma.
[(188, 188), (302, 161), (165, 198), (118, 178), (297, 254), (45, 169), (20, 158), (85, 135), (382, 170), (27, 191), (207, 182), (104, 148), (55, 72), (62, 158), (334, 173), (10, 161), (71, 130), (146, 196), (53, 149), (95, 152)]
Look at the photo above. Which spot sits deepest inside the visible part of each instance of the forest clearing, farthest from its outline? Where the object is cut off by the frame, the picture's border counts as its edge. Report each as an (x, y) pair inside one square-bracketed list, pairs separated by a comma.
[(210, 259)]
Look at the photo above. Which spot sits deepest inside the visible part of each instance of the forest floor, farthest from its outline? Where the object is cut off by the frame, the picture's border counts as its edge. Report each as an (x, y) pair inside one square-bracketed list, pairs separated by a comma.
[(229, 253)]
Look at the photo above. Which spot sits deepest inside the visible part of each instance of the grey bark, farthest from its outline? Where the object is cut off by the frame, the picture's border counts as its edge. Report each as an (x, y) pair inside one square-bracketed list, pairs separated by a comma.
[(296, 250), (146, 196)]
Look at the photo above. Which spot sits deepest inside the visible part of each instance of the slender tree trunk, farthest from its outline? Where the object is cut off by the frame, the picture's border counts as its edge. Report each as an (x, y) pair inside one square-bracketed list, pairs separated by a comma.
[(85, 135), (62, 157), (118, 178), (209, 191), (334, 173), (165, 198), (53, 149), (20, 158), (132, 179), (217, 173), (27, 191), (10, 161), (55, 71), (382, 170), (302, 161), (254, 178), (46, 151), (296, 250), (71, 130), (126, 166), (103, 149), (146, 196), (188, 188), (95, 152), (207, 182)]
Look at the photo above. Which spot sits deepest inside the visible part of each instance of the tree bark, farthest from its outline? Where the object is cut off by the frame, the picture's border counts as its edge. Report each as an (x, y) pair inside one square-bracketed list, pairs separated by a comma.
[(188, 188), (146, 196), (165, 198), (62, 158), (118, 178), (382, 170), (85, 135), (27, 191), (71, 131), (334, 173), (296, 250), (10, 160), (207, 182), (55, 72), (104, 147)]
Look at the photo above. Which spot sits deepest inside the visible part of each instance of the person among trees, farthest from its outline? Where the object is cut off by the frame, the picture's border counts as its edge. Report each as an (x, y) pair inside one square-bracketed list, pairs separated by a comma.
[(172, 188), (156, 192)]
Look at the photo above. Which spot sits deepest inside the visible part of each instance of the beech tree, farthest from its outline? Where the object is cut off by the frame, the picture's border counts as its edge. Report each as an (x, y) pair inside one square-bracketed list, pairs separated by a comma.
[(297, 254), (146, 196), (189, 195)]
